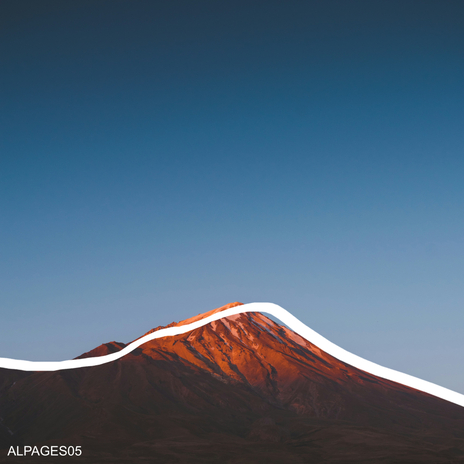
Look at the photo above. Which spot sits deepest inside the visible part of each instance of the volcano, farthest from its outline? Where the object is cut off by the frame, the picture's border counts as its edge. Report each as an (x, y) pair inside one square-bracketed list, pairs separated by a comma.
[(242, 389)]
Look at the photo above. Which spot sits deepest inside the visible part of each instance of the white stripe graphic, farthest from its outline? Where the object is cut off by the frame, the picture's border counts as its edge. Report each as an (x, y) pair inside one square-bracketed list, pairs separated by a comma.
[(270, 308)]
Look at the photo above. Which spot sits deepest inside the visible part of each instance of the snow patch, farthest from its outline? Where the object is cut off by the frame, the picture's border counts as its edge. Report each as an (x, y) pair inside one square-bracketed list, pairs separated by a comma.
[(233, 327), (269, 322), (226, 323), (295, 337), (243, 328), (234, 331), (215, 324), (268, 330)]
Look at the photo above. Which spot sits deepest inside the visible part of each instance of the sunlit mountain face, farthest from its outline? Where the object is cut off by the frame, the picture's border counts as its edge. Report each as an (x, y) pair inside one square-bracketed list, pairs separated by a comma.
[(242, 389)]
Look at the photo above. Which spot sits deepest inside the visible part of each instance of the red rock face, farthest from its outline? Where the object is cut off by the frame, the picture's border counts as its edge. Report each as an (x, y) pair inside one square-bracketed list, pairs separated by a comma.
[(240, 389), (253, 350)]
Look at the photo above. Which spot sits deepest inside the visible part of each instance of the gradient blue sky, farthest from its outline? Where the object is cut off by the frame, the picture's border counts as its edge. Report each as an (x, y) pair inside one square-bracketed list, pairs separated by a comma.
[(160, 159)]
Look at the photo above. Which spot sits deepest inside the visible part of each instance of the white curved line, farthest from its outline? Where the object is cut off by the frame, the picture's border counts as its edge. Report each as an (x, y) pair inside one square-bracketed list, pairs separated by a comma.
[(270, 308)]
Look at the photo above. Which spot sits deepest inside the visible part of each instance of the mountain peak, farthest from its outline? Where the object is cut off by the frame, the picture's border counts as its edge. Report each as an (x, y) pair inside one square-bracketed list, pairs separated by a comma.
[(198, 317)]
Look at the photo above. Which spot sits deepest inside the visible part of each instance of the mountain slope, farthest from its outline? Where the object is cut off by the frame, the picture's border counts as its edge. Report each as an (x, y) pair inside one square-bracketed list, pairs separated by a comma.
[(240, 389)]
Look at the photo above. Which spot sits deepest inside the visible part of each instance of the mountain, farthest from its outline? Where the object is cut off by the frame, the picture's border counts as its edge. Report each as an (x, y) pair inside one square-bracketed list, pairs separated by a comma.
[(243, 389)]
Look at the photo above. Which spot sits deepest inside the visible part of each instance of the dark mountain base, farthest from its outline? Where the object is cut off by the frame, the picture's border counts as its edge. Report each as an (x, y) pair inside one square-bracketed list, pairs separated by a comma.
[(122, 432)]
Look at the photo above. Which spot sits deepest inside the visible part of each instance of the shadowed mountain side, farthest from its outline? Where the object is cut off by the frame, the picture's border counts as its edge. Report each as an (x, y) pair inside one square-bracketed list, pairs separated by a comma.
[(103, 350), (240, 389)]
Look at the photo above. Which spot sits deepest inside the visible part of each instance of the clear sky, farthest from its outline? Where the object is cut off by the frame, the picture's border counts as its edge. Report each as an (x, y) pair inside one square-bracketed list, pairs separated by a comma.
[(160, 159)]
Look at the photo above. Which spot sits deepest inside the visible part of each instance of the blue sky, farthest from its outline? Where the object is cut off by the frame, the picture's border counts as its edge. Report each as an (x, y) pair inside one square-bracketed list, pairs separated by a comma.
[(160, 159)]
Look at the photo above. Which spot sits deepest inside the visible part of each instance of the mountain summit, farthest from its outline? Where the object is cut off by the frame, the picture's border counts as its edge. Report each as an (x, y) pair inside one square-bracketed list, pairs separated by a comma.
[(240, 389)]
